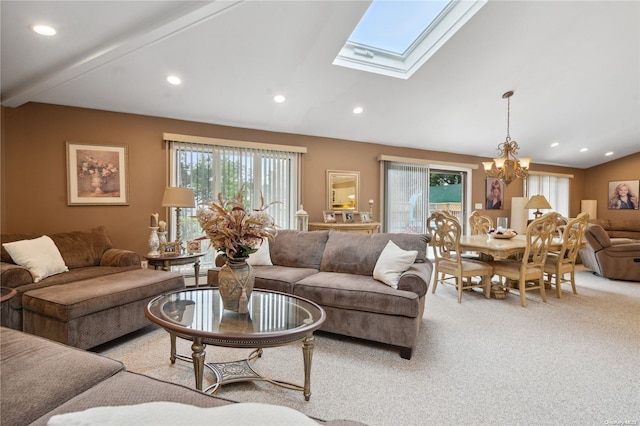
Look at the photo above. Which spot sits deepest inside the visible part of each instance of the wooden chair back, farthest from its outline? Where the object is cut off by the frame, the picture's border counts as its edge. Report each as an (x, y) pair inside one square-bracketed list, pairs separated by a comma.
[(540, 233), (480, 223)]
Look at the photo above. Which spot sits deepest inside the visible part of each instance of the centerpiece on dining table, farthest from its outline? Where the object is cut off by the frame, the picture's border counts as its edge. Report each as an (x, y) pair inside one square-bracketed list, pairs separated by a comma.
[(502, 233), (235, 232)]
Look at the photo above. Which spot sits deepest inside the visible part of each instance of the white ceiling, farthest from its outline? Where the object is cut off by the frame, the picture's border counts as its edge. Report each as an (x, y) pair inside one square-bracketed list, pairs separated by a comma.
[(574, 67)]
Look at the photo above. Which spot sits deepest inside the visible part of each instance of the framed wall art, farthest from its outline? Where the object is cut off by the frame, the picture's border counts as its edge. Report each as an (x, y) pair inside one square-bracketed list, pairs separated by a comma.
[(495, 191), (97, 174), (623, 194)]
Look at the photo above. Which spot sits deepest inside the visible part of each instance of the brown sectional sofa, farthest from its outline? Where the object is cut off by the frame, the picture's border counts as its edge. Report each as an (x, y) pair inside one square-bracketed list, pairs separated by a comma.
[(619, 228), (37, 382), (335, 270), (611, 257), (101, 297)]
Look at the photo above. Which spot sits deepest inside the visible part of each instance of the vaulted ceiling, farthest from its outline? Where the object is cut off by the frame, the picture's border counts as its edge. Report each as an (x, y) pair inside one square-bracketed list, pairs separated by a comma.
[(574, 67)]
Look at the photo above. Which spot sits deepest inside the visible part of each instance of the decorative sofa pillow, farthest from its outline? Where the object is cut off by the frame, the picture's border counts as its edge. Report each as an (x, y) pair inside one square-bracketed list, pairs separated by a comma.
[(39, 255), (262, 256), (173, 413), (393, 261)]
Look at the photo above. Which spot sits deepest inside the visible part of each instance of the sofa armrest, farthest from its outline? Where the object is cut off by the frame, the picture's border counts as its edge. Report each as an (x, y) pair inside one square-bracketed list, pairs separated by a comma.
[(416, 278), (120, 257), (12, 275), (624, 250)]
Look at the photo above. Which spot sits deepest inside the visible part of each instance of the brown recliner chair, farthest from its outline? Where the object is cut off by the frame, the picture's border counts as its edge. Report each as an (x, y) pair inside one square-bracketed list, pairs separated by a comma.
[(614, 258)]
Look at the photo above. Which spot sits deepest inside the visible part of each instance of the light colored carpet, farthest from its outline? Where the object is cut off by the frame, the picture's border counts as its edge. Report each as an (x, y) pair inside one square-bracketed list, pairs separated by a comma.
[(573, 361)]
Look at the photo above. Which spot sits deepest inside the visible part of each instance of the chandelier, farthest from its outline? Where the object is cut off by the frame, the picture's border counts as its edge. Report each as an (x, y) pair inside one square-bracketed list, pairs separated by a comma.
[(507, 167)]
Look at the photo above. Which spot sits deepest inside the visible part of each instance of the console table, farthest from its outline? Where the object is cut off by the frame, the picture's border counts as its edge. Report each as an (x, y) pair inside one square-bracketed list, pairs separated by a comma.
[(362, 228)]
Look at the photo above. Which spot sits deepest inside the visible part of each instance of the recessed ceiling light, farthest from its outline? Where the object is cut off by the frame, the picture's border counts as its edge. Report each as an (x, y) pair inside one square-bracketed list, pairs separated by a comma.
[(553, 145), (358, 110), (175, 80), (279, 99), (584, 150), (44, 30), (609, 153)]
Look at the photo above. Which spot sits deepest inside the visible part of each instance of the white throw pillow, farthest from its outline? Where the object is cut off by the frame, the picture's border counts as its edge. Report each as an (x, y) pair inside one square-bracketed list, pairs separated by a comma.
[(173, 413), (262, 256), (393, 261), (40, 256)]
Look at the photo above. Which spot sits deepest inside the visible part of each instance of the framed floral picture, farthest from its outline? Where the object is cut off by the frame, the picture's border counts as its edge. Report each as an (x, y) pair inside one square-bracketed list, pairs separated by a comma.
[(97, 174), (623, 195)]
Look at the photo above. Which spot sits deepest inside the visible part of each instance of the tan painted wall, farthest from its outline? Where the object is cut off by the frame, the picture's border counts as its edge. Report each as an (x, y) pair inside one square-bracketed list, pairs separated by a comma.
[(33, 159)]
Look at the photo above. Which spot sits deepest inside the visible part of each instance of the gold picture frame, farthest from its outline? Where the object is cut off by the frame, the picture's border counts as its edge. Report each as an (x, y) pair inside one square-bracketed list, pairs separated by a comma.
[(194, 246), (97, 175), (170, 249)]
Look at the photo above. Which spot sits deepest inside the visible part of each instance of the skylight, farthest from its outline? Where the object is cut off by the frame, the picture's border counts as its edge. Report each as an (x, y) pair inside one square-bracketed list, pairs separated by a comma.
[(396, 37)]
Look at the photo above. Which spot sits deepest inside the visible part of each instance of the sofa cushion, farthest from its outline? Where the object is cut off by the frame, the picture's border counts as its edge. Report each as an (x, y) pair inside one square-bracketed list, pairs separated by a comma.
[(80, 298), (298, 248), (39, 255), (82, 248), (358, 253), (393, 261), (27, 359), (357, 292), (275, 277), (600, 235), (262, 256)]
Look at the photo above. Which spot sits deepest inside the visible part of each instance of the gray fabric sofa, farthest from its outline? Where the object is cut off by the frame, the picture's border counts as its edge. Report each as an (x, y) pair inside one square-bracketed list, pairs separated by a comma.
[(335, 270), (101, 297), (37, 382)]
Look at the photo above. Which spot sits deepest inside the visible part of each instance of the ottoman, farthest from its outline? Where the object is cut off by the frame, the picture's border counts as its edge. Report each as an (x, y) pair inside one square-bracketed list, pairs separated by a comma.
[(90, 312)]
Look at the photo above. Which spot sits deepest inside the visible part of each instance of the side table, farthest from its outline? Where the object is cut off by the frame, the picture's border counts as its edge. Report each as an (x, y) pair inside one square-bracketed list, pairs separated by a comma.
[(166, 262)]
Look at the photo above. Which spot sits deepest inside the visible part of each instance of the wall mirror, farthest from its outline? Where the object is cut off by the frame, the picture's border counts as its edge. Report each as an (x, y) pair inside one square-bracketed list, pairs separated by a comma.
[(342, 190)]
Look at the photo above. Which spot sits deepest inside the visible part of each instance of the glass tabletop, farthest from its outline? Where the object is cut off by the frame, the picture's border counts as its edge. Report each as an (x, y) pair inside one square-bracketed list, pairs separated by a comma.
[(200, 312)]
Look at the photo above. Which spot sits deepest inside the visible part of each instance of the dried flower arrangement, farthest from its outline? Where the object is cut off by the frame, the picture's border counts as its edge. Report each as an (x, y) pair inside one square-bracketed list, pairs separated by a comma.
[(232, 229)]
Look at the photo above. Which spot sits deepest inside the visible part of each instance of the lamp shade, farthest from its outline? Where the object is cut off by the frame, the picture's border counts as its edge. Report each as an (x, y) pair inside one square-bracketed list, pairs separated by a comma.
[(175, 196), (537, 202)]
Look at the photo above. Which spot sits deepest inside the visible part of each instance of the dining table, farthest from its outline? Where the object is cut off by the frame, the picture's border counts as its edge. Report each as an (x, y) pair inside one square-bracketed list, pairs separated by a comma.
[(492, 248)]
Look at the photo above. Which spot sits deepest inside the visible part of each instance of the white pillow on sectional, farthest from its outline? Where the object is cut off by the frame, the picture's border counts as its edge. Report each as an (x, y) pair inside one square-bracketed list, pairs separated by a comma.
[(40, 256), (262, 256), (173, 413), (393, 261)]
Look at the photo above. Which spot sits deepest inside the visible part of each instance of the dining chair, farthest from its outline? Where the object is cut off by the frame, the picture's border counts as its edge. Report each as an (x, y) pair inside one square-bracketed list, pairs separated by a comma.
[(530, 268), (563, 262), (480, 223), (449, 266)]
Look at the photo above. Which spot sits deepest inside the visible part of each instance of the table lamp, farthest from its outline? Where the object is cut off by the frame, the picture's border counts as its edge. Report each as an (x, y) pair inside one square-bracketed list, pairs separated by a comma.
[(178, 197), (537, 202)]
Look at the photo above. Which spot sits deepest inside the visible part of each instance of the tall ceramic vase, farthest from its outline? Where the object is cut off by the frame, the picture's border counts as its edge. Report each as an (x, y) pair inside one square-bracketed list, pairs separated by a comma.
[(235, 282)]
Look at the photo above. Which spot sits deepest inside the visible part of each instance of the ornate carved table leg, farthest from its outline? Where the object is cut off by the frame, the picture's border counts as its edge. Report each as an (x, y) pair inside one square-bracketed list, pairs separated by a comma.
[(172, 338), (198, 360)]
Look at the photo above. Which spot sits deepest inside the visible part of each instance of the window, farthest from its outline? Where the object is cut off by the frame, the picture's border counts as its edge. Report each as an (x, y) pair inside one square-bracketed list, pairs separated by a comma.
[(413, 189), (555, 188), (395, 38), (213, 166)]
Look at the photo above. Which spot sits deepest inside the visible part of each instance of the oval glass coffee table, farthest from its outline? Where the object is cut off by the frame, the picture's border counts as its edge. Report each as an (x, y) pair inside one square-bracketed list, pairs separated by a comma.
[(274, 319)]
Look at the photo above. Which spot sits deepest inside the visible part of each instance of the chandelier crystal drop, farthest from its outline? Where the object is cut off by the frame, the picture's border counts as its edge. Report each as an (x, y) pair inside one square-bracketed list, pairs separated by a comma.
[(507, 167)]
